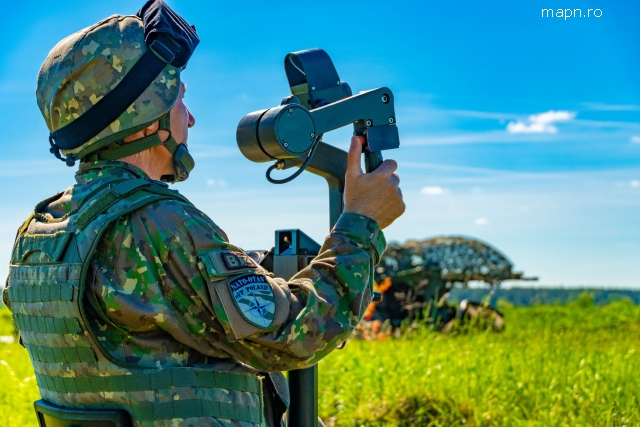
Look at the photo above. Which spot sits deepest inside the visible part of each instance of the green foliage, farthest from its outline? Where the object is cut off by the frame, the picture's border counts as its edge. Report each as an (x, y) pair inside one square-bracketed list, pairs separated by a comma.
[(19, 390), (585, 300), (503, 304), (535, 296), (566, 365), (575, 364), (6, 324)]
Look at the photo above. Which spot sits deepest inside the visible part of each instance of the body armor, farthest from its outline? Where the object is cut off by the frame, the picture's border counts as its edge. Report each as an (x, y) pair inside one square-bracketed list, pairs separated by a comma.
[(45, 292)]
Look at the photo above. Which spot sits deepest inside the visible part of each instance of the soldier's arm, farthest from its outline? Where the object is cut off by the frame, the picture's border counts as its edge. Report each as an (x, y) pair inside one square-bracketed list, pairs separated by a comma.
[(272, 324)]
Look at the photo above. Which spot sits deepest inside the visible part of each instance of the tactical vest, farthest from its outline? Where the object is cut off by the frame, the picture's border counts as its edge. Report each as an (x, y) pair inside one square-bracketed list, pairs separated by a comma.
[(46, 282)]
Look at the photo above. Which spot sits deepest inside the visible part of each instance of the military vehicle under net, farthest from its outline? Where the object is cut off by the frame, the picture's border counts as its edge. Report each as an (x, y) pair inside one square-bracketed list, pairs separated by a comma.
[(415, 279)]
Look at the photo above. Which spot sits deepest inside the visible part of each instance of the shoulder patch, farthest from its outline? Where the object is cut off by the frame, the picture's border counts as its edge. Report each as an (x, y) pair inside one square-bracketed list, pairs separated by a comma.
[(234, 260), (254, 298), (226, 262)]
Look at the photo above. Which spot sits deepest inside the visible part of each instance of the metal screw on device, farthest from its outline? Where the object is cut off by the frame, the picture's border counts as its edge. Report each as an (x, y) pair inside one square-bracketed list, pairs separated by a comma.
[(313, 135), (286, 144), (391, 120), (385, 99), (369, 123), (290, 110)]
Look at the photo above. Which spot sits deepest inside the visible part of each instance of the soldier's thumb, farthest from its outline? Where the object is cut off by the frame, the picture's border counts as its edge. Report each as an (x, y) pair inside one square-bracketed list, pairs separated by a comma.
[(354, 167)]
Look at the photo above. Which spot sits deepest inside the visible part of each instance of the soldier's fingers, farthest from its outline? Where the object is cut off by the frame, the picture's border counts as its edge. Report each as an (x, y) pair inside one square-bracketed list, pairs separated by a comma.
[(387, 167), (354, 167), (395, 178)]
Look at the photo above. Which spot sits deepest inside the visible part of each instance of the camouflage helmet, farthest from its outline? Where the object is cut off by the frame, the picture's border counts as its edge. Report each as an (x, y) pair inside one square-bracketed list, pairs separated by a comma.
[(82, 68)]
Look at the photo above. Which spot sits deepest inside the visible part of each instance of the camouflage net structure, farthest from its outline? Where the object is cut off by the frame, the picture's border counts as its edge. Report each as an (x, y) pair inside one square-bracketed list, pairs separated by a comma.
[(459, 260), (415, 279)]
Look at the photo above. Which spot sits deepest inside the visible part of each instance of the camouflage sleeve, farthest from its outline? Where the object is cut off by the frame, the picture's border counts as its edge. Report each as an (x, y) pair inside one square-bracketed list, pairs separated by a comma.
[(269, 323)]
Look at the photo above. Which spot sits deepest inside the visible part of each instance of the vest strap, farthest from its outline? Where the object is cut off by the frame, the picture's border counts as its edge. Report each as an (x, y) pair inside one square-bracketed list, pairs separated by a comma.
[(47, 325), (107, 199), (195, 408), (192, 408)]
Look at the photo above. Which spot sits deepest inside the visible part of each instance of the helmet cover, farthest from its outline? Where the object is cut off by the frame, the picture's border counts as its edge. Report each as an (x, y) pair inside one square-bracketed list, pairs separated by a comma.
[(85, 66)]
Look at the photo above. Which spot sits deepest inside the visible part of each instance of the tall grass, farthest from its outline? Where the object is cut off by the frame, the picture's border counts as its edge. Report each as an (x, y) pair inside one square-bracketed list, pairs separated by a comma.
[(570, 365)]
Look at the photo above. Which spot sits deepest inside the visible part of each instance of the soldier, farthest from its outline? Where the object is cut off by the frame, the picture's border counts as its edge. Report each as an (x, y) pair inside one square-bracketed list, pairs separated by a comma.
[(127, 296)]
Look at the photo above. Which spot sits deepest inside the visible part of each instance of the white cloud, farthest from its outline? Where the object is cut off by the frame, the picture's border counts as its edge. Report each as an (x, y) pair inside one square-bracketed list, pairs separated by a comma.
[(481, 221), (541, 123), (636, 139), (635, 183), (216, 183), (433, 191), (597, 106)]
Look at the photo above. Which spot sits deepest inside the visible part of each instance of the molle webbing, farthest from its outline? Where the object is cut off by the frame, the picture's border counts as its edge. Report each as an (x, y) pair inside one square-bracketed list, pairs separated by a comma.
[(166, 379), (41, 293), (40, 353), (47, 325), (154, 380)]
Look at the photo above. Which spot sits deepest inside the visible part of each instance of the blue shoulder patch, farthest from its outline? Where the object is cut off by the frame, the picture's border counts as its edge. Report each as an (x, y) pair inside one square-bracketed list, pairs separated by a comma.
[(254, 298)]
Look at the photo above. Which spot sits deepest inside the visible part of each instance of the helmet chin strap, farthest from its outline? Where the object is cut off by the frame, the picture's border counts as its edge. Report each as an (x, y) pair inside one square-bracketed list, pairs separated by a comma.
[(183, 163)]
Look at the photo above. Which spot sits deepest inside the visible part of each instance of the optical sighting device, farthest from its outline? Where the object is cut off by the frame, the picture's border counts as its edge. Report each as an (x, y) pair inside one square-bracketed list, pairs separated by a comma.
[(290, 134)]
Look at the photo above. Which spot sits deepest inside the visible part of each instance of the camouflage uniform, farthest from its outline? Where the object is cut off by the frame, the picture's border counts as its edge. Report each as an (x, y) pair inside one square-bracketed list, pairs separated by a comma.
[(153, 277), (161, 294)]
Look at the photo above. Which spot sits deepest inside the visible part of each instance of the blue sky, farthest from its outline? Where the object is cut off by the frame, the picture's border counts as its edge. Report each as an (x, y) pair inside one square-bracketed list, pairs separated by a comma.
[(519, 130)]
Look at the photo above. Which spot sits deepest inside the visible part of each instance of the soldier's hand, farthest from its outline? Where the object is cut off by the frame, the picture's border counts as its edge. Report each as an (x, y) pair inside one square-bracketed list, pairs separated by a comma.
[(374, 194)]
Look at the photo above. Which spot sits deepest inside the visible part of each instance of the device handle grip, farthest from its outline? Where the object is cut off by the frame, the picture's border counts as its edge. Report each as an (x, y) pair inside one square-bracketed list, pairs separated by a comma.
[(372, 160)]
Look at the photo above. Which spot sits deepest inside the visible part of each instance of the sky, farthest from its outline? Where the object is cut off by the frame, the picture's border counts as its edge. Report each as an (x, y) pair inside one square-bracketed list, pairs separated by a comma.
[(516, 129)]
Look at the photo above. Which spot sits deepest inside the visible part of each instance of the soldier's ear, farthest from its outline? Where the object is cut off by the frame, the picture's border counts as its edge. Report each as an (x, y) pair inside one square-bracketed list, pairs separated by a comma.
[(149, 130), (152, 128)]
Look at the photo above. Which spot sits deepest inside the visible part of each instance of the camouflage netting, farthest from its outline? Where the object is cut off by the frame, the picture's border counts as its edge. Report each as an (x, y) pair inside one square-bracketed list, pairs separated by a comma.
[(459, 259)]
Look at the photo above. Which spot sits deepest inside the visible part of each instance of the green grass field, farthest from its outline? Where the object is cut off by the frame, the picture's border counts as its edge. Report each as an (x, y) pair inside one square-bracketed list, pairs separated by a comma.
[(566, 365)]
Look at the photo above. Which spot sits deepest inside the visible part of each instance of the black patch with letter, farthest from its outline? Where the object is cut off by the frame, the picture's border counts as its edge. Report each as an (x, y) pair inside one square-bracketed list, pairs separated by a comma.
[(237, 260)]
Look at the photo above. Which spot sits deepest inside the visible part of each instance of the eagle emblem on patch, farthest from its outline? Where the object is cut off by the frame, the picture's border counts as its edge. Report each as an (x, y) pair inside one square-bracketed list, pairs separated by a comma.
[(254, 298)]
